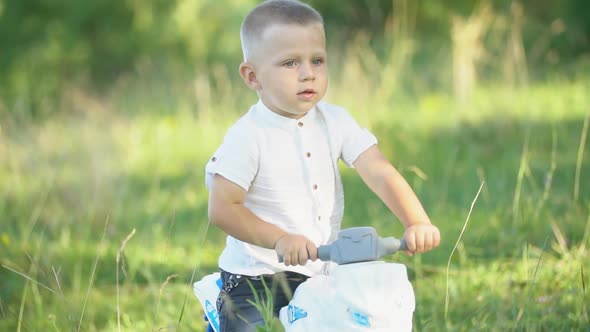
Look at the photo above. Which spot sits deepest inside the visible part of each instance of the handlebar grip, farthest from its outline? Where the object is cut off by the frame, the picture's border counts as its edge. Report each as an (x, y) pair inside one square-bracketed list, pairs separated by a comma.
[(403, 245), (390, 245)]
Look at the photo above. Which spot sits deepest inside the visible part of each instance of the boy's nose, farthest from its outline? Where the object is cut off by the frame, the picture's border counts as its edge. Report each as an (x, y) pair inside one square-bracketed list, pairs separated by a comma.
[(306, 73)]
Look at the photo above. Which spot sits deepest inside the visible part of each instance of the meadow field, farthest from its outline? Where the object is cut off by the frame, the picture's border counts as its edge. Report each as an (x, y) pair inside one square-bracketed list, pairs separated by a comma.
[(105, 223), (103, 206)]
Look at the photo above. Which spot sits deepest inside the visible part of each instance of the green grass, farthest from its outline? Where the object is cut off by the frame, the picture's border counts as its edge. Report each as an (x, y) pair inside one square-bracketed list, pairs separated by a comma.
[(74, 188)]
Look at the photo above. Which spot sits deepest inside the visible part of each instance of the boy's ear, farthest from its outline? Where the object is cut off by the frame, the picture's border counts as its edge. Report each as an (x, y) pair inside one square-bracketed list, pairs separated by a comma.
[(249, 75)]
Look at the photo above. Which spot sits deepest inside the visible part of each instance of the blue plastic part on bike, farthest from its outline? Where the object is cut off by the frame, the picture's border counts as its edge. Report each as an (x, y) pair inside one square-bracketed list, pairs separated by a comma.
[(361, 319), (209, 327), (295, 313)]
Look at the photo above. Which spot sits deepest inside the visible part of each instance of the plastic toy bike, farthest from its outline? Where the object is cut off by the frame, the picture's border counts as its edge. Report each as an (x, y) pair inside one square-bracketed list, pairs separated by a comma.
[(361, 293)]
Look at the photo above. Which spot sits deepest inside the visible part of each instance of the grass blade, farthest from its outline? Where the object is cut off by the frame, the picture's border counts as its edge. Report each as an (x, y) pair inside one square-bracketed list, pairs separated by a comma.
[(30, 279), (170, 277), (190, 284), (521, 173), (118, 259), (2, 309), (580, 157), (93, 273), (532, 283), (21, 309), (584, 293), (455, 248)]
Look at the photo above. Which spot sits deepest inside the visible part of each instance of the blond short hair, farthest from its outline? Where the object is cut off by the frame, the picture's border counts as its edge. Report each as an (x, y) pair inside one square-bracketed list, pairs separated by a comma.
[(273, 12)]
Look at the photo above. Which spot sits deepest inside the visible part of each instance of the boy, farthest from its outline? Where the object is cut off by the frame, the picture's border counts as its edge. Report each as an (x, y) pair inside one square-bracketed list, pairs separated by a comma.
[(274, 183)]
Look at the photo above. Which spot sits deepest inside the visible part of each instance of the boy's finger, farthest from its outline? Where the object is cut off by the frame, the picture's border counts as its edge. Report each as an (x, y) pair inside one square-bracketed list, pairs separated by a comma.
[(294, 258), (303, 256), (410, 242), (437, 238), (286, 259), (412, 245), (420, 243), (428, 241)]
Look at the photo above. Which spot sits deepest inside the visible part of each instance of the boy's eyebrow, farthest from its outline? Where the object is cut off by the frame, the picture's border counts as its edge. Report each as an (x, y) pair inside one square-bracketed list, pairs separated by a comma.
[(298, 54), (287, 57)]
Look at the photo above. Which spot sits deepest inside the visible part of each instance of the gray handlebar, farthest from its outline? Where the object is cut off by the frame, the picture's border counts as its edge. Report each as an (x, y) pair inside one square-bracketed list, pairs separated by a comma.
[(390, 245), (359, 244)]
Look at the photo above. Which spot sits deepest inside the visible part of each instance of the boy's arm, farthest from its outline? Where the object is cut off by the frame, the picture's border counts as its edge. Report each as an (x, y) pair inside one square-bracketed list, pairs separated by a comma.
[(227, 211), (385, 181)]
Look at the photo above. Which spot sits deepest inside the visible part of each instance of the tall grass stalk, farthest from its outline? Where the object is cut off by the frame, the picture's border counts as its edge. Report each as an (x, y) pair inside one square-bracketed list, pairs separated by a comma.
[(36, 213), (549, 177), (29, 278), (580, 156), (61, 293), (559, 237), (265, 307), (32, 271), (170, 277), (189, 288), (2, 309), (21, 309), (93, 273), (52, 318), (521, 173), (118, 260), (586, 236), (455, 248), (584, 293), (532, 281)]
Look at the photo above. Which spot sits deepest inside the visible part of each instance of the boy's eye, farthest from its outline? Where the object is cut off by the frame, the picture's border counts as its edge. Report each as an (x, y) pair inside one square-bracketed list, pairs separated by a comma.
[(317, 61), (289, 63)]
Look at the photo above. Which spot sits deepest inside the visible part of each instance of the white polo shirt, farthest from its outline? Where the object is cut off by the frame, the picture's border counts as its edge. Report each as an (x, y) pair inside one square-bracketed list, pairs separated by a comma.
[(289, 169)]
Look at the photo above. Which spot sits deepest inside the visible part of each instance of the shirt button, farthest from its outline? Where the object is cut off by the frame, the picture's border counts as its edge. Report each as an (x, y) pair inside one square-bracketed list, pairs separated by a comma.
[(300, 124), (315, 186), (213, 159), (308, 155)]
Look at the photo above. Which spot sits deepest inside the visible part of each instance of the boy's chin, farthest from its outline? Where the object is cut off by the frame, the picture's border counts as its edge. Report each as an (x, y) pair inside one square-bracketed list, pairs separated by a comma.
[(302, 111), (295, 114)]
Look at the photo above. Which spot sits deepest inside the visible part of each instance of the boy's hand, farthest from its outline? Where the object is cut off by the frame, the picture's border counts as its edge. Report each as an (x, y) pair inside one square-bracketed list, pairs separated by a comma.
[(296, 249), (421, 238)]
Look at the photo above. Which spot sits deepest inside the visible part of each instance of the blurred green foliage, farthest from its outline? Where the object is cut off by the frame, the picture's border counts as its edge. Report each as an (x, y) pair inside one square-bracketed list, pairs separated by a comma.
[(47, 46), (73, 187)]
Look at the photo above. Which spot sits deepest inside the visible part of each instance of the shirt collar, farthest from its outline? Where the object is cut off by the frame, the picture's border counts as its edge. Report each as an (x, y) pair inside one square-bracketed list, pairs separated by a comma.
[(277, 120)]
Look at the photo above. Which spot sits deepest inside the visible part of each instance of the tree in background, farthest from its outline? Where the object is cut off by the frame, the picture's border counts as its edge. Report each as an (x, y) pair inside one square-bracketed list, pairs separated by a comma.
[(47, 46)]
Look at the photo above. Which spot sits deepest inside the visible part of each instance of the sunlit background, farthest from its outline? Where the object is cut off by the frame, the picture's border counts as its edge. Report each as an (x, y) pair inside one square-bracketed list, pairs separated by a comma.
[(110, 109)]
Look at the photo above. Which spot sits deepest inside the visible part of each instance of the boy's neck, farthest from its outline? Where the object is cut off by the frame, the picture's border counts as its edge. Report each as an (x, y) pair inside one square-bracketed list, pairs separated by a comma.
[(287, 115)]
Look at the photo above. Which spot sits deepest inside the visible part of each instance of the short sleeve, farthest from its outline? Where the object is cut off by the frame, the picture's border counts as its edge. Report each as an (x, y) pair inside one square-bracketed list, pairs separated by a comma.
[(236, 159), (356, 140)]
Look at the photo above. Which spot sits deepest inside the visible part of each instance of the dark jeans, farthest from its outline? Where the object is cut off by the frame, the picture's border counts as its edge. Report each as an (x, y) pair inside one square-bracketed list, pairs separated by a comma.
[(237, 313)]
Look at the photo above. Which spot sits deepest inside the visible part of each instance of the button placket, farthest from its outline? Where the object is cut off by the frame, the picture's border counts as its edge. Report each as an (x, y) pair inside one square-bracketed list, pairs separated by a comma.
[(306, 145)]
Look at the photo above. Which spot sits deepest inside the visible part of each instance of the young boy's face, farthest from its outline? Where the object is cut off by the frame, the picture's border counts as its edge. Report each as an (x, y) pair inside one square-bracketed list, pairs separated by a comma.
[(289, 68)]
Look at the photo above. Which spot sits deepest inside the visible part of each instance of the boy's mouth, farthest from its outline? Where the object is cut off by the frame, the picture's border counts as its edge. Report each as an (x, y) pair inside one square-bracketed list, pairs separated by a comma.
[(307, 93)]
